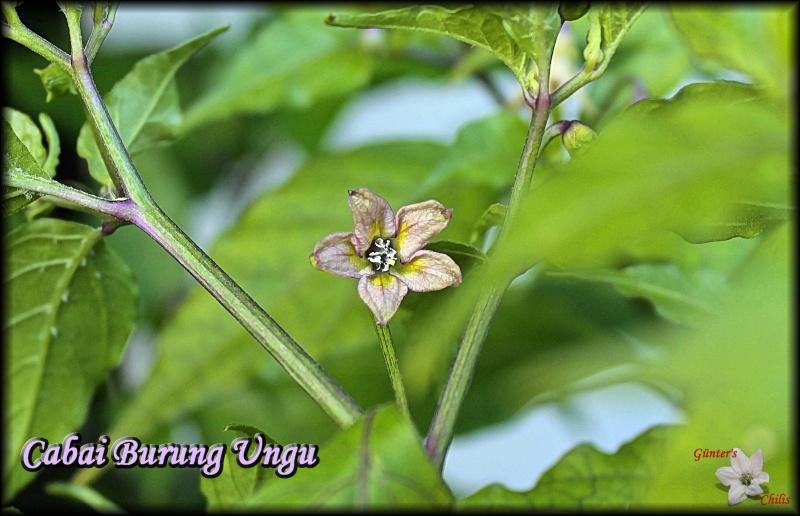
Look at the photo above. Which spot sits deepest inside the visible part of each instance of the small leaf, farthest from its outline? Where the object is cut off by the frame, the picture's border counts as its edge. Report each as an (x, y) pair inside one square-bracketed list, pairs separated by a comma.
[(494, 215), (53, 144), (464, 255), (17, 160), (616, 20), (28, 133), (235, 483), (71, 306), (56, 81), (584, 479), (143, 105), (378, 463)]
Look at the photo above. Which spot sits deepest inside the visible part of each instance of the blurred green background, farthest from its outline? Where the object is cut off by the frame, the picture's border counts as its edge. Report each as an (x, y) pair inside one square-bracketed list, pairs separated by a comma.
[(282, 114)]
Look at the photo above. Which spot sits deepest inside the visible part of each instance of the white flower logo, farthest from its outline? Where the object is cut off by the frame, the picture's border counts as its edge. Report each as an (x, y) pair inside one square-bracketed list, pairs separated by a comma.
[(743, 475)]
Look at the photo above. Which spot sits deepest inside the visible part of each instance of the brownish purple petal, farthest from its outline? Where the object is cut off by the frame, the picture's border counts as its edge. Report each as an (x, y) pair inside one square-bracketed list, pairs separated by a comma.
[(417, 224), (373, 217), (428, 271), (382, 293), (336, 253)]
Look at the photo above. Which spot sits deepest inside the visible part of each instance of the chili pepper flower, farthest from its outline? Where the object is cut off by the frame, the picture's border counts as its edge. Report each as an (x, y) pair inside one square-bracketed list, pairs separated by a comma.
[(743, 475), (385, 251)]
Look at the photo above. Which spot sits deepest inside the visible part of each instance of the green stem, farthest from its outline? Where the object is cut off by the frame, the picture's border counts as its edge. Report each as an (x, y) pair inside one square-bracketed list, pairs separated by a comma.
[(103, 14), (555, 130), (289, 354), (140, 209), (77, 199), (442, 428), (385, 339), (15, 30)]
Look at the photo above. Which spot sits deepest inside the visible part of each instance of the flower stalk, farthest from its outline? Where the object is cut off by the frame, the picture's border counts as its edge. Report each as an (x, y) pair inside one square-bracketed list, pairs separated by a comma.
[(387, 347)]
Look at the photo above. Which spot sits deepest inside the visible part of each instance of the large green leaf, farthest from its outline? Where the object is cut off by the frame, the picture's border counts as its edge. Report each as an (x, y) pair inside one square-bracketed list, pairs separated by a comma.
[(17, 161), (143, 105), (378, 463), (518, 36), (658, 169), (750, 40), (71, 305), (686, 290), (205, 359), (293, 62), (584, 479)]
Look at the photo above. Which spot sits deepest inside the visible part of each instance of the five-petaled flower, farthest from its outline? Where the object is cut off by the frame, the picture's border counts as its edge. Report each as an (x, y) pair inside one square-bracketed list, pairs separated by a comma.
[(385, 251), (743, 475)]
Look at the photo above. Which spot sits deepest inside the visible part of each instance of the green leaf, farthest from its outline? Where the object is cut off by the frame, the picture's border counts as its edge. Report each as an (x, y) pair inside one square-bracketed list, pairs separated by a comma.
[(71, 306), (747, 220), (584, 479), (17, 160), (485, 153), (28, 133), (267, 251), (378, 463), (235, 483), (683, 163), (494, 216), (687, 297), (740, 39), (143, 105), (616, 19), (517, 36), (293, 62)]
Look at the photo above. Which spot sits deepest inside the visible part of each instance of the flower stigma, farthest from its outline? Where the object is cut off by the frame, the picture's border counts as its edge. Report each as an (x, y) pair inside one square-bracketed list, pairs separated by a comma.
[(384, 256)]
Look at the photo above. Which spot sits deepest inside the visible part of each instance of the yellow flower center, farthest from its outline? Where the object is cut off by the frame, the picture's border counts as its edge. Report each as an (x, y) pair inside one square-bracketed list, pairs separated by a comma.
[(381, 254)]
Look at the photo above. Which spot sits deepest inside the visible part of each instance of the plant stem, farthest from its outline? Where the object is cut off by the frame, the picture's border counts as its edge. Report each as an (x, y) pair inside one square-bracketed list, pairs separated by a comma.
[(103, 14), (17, 31), (301, 367), (556, 129), (442, 429), (77, 199), (385, 339)]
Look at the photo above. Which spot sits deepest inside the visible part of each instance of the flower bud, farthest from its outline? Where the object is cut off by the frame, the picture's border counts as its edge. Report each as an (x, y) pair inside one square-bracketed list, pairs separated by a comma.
[(571, 11), (577, 137)]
